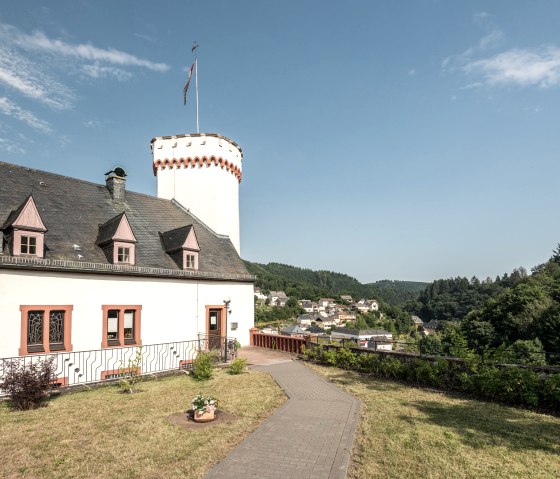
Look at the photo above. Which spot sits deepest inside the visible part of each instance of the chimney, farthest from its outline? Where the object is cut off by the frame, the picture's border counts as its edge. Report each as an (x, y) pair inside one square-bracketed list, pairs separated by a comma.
[(115, 181)]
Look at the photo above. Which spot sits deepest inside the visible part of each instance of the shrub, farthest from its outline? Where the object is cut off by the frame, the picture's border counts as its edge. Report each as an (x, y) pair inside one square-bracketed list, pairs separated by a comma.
[(327, 356), (237, 366), (551, 391), (391, 368), (309, 354), (28, 384), (203, 366), (368, 363), (345, 359), (509, 385), (427, 373)]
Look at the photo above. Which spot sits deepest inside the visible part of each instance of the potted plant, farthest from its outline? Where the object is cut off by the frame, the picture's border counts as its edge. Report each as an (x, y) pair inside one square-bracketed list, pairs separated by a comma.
[(204, 408)]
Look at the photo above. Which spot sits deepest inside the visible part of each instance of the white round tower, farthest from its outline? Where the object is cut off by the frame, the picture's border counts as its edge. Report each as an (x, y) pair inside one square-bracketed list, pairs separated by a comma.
[(201, 171)]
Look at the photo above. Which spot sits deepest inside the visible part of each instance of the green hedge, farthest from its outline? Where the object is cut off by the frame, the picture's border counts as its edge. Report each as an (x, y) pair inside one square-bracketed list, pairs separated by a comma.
[(509, 385)]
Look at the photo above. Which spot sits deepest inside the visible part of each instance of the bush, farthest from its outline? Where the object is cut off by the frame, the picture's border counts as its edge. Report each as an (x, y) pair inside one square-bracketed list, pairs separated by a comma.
[(508, 385), (28, 385), (238, 366), (345, 359), (551, 391), (327, 356), (203, 366)]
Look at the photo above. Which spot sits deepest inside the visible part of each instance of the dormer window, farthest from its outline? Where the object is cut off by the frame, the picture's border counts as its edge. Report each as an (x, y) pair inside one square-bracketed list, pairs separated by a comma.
[(117, 240), (25, 231), (190, 262), (123, 254), (28, 245), (181, 244)]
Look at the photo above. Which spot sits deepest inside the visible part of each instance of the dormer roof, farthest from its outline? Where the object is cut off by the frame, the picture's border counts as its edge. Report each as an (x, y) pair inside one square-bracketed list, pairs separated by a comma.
[(26, 216), (180, 238), (116, 229)]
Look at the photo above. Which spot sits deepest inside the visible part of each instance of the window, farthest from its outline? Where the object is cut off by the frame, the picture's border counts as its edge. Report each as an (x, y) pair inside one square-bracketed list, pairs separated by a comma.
[(28, 245), (121, 326), (190, 259), (123, 255), (189, 263), (45, 329)]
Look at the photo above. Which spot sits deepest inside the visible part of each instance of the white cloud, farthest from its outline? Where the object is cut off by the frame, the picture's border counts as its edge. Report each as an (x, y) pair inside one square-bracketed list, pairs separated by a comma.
[(31, 64), (518, 67), (85, 52), (10, 147), (31, 80), (98, 71), (9, 108), (489, 41)]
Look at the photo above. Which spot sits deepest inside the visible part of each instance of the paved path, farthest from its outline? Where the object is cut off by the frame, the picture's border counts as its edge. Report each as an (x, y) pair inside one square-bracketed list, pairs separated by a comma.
[(309, 437)]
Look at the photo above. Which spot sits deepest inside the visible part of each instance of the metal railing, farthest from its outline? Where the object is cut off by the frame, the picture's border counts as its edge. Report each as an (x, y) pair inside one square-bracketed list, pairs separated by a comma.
[(87, 367), (278, 342)]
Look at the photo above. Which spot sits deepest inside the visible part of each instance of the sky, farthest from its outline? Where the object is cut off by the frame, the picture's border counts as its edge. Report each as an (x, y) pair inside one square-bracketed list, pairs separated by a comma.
[(409, 140)]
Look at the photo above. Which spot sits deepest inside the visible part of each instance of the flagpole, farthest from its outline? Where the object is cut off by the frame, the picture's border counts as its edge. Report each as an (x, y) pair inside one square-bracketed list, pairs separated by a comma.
[(196, 87)]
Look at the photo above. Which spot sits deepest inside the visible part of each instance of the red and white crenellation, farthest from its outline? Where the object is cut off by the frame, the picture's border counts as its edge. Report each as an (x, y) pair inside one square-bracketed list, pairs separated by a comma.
[(201, 171)]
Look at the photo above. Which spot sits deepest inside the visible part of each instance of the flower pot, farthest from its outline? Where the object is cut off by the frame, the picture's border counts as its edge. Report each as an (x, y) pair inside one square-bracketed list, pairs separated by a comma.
[(203, 416)]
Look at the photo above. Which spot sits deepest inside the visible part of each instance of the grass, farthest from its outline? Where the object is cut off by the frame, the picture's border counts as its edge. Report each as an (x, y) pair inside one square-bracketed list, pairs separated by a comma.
[(103, 433), (408, 432)]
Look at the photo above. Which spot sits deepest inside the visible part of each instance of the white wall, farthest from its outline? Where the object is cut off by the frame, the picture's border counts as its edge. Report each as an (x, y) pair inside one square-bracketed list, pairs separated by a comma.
[(172, 309), (210, 192)]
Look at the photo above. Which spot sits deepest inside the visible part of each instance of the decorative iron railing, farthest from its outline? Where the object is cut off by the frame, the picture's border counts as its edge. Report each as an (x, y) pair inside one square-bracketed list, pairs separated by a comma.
[(87, 367)]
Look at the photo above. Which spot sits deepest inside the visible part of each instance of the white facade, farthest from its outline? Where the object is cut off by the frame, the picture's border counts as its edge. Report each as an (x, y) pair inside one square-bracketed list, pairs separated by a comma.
[(172, 309), (202, 172)]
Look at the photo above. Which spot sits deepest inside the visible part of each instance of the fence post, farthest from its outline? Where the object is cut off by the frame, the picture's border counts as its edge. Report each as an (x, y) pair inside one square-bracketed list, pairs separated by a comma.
[(252, 333)]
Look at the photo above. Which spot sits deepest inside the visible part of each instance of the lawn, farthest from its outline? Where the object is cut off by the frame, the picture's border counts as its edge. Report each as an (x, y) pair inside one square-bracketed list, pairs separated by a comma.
[(104, 433), (408, 432)]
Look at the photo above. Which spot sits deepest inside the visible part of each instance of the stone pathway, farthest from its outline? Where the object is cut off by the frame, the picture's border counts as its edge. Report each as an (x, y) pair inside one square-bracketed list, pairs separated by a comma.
[(309, 437)]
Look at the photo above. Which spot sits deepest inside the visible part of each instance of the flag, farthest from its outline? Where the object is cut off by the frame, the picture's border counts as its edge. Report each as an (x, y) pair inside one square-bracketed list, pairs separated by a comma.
[(186, 87)]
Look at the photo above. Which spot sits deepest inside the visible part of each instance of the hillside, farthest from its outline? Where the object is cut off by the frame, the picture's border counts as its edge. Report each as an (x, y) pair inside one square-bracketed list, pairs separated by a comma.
[(308, 284)]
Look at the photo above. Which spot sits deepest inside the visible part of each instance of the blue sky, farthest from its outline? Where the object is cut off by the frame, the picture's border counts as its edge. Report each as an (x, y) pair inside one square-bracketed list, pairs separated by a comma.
[(403, 140)]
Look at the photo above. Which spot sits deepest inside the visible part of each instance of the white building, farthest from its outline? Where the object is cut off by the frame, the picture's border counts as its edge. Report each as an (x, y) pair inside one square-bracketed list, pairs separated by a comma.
[(90, 267)]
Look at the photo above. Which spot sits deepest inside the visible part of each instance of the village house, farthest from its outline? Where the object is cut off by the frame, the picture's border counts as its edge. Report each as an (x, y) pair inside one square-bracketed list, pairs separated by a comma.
[(347, 298), (294, 331), (261, 297), (306, 305), (85, 266), (277, 298), (374, 338)]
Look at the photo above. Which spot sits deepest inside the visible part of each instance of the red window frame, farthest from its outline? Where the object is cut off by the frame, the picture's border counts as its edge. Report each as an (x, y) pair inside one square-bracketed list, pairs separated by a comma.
[(66, 345), (121, 341)]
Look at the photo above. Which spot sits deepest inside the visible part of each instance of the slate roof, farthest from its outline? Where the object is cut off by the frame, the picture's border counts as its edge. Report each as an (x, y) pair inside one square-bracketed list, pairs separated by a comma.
[(294, 329), (363, 332), (107, 230), (73, 209), (14, 214), (175, 239)]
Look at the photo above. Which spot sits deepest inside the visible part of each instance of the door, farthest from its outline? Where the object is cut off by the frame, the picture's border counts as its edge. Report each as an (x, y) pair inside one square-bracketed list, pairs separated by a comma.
[(214, 328)]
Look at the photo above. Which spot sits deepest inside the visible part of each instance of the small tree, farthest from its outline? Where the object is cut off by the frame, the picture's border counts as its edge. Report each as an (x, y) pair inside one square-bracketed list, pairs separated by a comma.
[(28, 384), (130, 372)]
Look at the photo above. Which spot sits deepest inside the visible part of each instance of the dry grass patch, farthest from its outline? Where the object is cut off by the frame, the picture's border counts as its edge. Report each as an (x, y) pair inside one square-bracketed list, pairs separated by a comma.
[(103, 433), (408, 432)]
